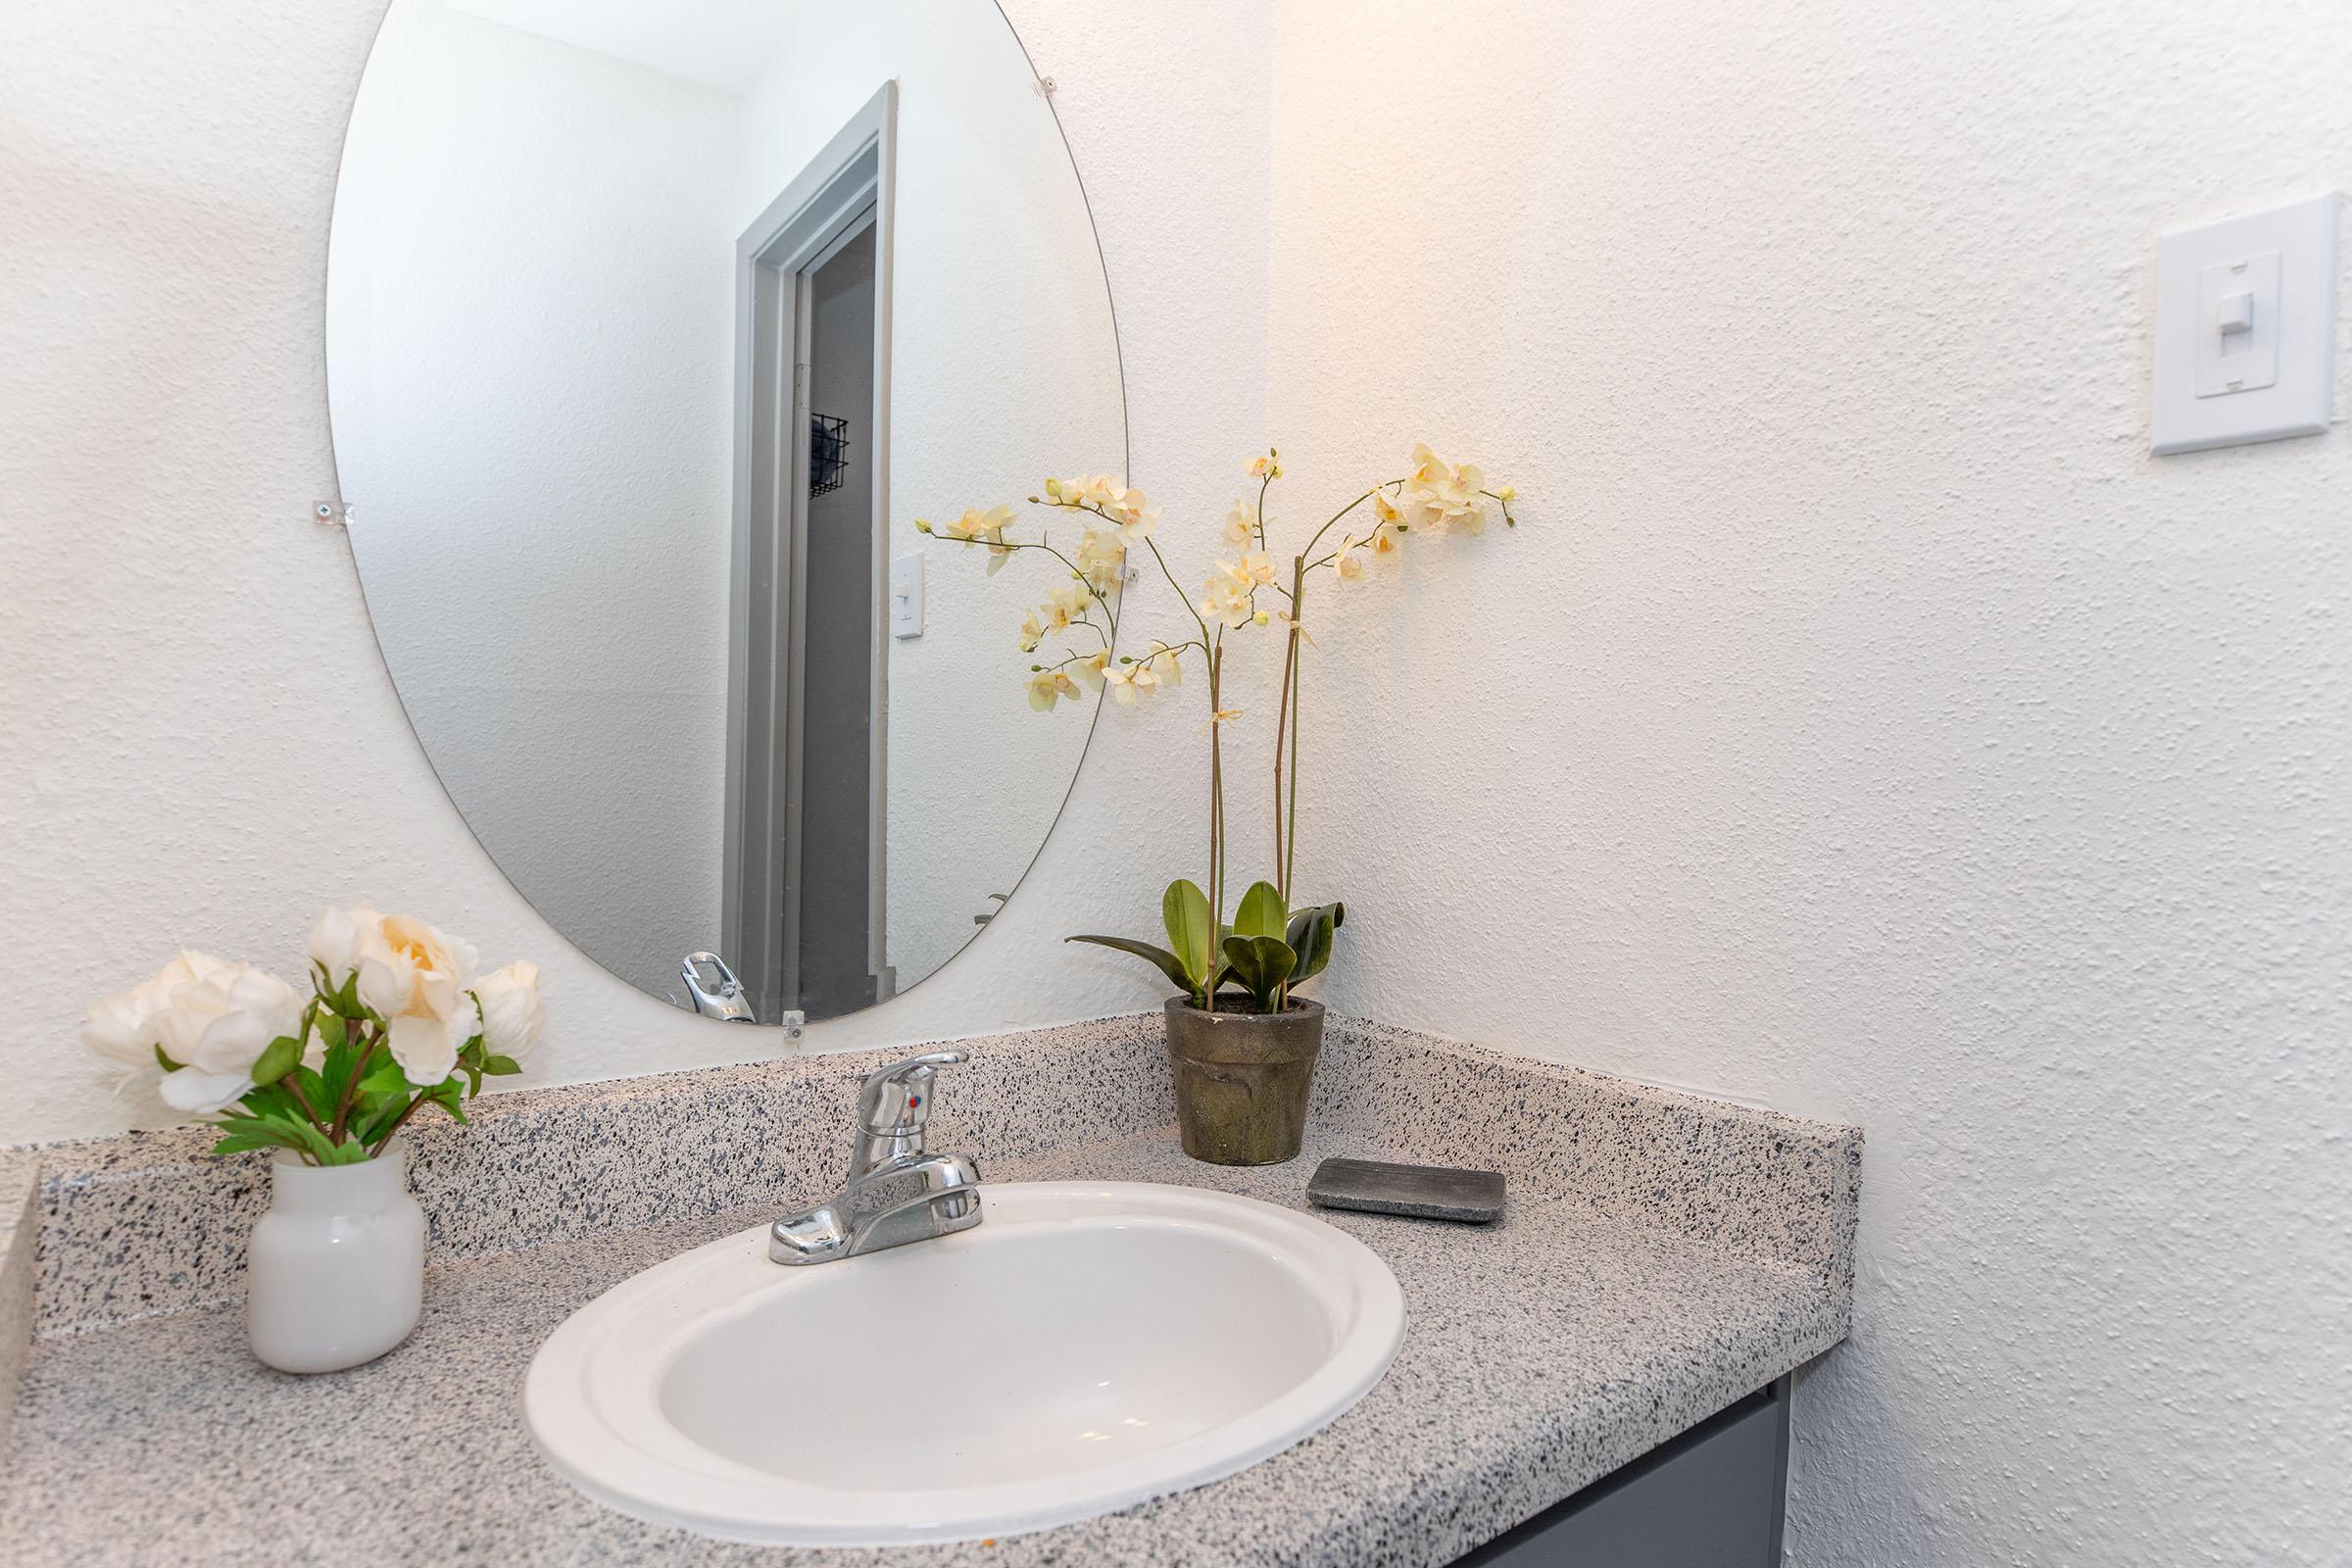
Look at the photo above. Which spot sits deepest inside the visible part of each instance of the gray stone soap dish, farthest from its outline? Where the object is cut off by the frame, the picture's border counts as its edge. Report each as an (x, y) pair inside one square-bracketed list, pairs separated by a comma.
[(1425, 1192)]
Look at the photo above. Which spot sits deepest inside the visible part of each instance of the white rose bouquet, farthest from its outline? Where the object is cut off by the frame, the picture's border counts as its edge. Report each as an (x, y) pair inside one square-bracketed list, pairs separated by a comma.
[(396, 1019)]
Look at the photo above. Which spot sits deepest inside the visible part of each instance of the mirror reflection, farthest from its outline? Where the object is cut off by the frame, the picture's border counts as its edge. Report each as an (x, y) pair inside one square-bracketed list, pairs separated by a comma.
[(651, 328)]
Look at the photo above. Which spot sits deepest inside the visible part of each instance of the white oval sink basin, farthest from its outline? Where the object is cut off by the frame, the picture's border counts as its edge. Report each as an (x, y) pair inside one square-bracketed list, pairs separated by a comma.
[(1085, 1347)]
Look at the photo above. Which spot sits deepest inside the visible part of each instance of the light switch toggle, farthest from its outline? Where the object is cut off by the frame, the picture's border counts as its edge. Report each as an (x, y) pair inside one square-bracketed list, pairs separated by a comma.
[(2239, 350)]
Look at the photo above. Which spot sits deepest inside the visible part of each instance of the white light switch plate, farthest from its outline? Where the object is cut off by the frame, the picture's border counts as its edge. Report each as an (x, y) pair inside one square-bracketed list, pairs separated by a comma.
[(906, 596), (2246, 329)]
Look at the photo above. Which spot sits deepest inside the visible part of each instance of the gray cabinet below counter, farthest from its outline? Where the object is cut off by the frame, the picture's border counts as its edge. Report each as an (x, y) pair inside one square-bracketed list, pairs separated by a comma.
[(1712, 1497)]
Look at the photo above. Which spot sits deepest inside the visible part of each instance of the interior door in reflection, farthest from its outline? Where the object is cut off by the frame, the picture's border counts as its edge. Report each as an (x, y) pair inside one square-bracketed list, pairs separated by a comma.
[(841, 692)]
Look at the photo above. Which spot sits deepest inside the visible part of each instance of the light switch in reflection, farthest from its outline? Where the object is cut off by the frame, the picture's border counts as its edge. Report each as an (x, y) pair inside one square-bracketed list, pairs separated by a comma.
[(906, 596)]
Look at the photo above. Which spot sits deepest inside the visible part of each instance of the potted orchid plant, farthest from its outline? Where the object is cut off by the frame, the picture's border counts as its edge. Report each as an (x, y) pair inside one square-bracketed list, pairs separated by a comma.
[(1242, 1044), (397, 1019)]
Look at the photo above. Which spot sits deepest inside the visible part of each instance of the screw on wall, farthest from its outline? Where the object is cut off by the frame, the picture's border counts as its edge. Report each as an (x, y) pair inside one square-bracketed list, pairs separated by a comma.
[(330, 513), (1043, 87)]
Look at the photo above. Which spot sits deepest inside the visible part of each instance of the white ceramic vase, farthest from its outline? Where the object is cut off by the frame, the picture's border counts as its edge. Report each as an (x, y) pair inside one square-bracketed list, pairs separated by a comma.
[(336, 1271)]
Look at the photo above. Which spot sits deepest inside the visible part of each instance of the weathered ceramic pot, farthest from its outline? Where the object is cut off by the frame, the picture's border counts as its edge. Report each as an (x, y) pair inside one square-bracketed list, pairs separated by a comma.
[(1242, 1080)]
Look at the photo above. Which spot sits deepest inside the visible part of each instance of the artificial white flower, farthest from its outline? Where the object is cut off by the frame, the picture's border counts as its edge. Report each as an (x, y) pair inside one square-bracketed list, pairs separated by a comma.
[(1262, 468), (1346, 563), (1439, 495), (1255, 568), (1240, 524), (1094, 670), (1065, 606), (1226, 601), (416, 979), (1101, 561), (1134, 513), (123, 1028), (1048, 686), (1119, 681), (976, 523), (215, 1027), (204, 1094), (427, 1039), (338, 937), (1033, 632), (1166, 669), (512, 1017)]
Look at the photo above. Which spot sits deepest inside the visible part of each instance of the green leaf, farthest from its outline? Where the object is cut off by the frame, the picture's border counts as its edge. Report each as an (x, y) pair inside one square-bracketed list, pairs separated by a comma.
[(1310, 937), (252, 1132), (1191, 927), (166, 1063), (342, 1058), (239, 1142), (1261, 912), (278, 1059), (384, 1078), (266, 1099), (1169, 964), (501, 1066), (320, 1148), (331, 1032), (376, 1120), (1262, 964)]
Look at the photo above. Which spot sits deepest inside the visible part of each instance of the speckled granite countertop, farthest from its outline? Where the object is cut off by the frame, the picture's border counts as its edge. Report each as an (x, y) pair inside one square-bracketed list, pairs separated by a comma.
[(1540, 1353)]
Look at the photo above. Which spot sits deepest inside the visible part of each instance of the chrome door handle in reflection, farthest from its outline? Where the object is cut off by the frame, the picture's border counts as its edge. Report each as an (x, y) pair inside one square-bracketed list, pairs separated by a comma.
[(895, 1193), (713, 987)]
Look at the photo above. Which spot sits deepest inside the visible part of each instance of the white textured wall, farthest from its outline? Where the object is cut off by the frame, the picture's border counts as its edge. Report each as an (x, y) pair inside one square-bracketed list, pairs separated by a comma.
[(1863, 721), (179, 640), (542, 512)]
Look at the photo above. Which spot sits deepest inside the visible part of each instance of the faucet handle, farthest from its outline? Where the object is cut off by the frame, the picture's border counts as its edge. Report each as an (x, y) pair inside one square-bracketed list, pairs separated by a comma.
[(896, 1100)]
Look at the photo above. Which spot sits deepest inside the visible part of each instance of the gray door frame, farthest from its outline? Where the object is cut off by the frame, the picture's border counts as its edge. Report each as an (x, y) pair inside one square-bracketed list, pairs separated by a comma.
[(845, 187)]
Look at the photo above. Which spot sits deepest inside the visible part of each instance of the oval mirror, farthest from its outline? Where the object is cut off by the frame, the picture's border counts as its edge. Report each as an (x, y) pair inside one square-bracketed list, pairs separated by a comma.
[(651, 327)]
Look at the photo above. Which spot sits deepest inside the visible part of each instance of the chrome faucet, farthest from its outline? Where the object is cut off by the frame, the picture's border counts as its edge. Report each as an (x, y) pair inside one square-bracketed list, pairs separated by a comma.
[(895, 1191)]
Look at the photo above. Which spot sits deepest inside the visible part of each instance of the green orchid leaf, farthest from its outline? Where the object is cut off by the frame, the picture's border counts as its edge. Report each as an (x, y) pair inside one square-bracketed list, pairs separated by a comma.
[(1261, 912), (1262, 964), (1192, 924), (1310, 937), (1169, 964)]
